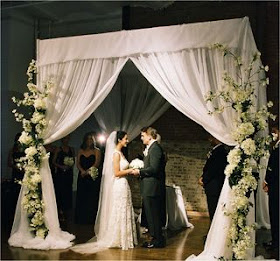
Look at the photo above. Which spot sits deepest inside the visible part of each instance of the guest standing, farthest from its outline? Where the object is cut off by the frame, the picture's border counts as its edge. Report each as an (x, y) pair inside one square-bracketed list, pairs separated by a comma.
[(15, 154), (51, 148), (271, 186), (87, 187), (213, 175), (17, 174), (64, 161)]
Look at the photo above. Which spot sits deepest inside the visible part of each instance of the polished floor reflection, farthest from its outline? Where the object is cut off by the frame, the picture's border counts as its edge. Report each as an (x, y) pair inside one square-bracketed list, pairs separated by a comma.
[(180, 245)]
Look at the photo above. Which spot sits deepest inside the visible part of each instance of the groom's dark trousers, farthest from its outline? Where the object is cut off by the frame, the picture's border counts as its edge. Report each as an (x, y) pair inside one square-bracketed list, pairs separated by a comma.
[(152, 177)]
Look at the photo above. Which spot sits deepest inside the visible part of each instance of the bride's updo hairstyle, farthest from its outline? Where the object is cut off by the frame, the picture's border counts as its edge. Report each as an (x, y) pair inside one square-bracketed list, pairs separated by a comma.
[(120, 135), (150, 131)]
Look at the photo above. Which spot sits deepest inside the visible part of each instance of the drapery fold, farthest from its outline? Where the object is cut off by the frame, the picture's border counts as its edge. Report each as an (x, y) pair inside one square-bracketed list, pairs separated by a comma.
[(132, 104), (177, 62), (183, 78)]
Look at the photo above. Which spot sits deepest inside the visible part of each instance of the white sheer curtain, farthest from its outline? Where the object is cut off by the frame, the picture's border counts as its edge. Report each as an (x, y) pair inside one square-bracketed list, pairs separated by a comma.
[(80, 86), (132, 104), (183, 78)]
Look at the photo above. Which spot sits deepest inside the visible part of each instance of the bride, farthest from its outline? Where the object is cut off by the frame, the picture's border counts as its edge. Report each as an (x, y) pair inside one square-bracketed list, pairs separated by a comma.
[(115, 223)]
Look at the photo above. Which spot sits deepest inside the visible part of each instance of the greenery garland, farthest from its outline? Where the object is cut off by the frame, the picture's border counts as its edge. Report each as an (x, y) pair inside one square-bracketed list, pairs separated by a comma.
[(244, 160), (34, 124)]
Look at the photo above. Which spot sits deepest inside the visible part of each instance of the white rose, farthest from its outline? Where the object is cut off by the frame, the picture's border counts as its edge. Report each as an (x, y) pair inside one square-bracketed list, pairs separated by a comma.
[(25, 138)]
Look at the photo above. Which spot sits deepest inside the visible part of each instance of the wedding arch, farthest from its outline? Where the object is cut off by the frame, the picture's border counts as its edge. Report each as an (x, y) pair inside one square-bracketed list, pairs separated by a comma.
[(176, 60)]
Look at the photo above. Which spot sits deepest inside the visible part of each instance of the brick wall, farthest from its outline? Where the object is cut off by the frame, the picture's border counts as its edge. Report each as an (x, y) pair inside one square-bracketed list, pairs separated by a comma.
[(184, 166)]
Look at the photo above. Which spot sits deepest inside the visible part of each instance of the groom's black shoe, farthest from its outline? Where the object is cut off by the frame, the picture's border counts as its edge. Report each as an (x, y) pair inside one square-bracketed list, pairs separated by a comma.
[(145, 244), (154, 244)]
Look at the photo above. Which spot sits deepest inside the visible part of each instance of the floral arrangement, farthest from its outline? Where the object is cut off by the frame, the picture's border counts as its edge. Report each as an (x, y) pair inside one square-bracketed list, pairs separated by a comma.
[(244, 160), (93, 172), (31, 140), (68, 161), (136, 164)]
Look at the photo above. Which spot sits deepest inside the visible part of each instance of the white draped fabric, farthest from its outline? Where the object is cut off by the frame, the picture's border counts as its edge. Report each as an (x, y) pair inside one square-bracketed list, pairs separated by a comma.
[(132, 104), (216, 244), (176, 60), (176, 217)]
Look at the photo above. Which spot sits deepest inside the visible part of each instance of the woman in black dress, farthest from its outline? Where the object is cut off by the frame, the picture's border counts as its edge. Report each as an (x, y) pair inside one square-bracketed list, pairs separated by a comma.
[(87, 187), (63, 160)]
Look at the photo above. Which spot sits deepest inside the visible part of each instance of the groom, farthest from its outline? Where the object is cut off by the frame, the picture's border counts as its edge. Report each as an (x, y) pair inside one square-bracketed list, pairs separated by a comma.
[(151, 184)]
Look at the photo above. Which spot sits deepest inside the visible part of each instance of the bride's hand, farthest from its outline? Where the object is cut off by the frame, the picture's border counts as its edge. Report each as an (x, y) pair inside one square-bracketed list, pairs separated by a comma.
[(135, 172)]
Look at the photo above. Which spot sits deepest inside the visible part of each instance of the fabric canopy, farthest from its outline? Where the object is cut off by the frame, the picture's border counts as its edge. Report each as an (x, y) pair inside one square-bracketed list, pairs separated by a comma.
[(177, 62), (235, 33)]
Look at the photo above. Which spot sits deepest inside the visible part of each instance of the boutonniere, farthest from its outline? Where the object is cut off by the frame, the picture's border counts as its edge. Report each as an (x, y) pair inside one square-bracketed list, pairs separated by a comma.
[(145, 152)]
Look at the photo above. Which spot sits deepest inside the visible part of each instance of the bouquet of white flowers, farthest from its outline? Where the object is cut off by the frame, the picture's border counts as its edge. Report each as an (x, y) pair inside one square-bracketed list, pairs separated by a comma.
[(136, 164), (68, 161), (93, 172)]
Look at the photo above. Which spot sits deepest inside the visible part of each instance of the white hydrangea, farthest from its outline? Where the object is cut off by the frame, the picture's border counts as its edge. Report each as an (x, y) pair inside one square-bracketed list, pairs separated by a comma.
[(37, 116), (240, 202), (31, 151), (40, 103), (40, 232), (243, 130), (32, 87), (229, 169), (234, 156), (248, 146), (26, 125), (36, 178), (25, 138)]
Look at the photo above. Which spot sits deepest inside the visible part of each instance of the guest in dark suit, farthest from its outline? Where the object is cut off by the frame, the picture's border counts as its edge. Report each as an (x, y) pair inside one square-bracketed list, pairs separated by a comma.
[(271, 186), (152, 177), (213, 175)]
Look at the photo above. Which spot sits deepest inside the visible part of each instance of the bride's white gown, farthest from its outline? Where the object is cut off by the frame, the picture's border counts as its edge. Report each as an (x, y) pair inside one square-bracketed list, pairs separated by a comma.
[(122, 222), (120, 231)]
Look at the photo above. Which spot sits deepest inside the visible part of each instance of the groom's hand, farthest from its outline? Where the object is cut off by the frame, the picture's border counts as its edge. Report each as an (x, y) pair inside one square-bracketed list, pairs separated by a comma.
[(136, 172)]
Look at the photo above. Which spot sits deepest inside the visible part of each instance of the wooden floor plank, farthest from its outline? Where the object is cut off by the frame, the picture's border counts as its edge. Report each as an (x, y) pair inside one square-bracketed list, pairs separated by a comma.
[(180, 245)]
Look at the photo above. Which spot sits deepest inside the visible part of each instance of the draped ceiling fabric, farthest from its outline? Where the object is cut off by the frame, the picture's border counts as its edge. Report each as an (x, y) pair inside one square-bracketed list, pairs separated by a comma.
[(176, 60)]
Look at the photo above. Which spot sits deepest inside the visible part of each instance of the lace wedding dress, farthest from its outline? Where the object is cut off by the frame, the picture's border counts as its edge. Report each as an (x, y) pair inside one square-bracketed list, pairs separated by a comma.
[(115, 223)]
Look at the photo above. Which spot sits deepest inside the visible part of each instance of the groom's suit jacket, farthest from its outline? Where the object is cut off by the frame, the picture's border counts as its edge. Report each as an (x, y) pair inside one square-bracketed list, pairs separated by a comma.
[(153, 174)]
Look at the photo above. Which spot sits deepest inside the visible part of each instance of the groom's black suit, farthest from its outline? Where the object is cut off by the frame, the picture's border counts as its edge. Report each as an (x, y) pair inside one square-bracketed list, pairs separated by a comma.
[(151, 185)]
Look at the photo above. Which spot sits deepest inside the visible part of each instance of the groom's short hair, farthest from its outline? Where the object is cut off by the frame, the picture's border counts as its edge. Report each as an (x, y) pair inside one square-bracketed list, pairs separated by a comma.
[(150, 131)]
